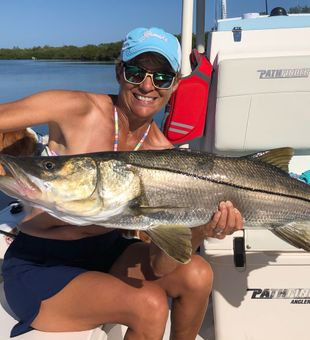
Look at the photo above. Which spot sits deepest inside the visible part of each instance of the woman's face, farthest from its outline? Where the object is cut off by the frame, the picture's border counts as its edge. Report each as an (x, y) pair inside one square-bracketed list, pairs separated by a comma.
[(144, 100)]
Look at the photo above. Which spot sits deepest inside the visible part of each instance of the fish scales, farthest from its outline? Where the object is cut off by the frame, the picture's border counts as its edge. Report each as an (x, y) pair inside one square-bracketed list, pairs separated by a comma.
[(198, 199), (164, 192), (237, 172)]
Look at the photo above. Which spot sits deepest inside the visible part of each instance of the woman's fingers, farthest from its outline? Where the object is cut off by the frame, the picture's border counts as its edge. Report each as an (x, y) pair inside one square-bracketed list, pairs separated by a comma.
[(227, 220)]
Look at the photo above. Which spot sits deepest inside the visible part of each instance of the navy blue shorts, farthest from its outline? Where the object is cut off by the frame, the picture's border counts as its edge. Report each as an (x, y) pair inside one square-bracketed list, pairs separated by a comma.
[(35, 269)]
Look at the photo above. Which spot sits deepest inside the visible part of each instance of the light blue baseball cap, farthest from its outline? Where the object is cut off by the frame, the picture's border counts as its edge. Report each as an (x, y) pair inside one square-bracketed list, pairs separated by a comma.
[(141, 40)]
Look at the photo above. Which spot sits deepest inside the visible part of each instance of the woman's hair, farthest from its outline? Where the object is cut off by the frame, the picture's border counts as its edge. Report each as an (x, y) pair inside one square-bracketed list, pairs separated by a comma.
[(153, 59)]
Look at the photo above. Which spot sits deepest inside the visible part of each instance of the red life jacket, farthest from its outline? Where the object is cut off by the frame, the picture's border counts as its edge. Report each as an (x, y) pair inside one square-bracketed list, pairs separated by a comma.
[(186, 111)]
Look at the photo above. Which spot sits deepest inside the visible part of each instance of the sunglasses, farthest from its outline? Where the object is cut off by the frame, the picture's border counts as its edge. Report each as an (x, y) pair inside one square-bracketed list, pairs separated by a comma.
[(136, 75)]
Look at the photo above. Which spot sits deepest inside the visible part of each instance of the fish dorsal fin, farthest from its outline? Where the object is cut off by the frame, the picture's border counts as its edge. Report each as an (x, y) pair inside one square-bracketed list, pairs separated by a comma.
[(278, 157)]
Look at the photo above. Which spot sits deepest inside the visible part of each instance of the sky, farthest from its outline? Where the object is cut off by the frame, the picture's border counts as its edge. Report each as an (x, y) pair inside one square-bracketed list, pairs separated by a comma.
[(29, 23)]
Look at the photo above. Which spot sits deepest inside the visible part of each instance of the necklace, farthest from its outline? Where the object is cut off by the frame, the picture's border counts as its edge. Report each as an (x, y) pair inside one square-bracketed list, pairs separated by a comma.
[(116, 133)]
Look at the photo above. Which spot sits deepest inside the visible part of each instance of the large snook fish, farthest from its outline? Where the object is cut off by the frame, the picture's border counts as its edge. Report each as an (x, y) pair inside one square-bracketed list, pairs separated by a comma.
[(164, 193)]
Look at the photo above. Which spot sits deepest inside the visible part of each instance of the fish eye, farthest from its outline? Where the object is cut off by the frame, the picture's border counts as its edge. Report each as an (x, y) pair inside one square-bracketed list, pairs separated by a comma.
[(48, 165)]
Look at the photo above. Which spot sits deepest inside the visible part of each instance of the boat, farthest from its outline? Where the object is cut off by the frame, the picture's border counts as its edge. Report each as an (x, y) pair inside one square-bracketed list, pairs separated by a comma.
[(258, 98)]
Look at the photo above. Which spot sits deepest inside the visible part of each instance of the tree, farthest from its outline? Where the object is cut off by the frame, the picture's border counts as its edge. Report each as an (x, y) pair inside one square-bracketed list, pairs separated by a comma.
[(299, 9)]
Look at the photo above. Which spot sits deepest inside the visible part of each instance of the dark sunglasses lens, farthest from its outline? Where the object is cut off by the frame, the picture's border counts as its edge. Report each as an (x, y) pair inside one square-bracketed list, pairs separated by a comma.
[(162, 80), (134, 74)]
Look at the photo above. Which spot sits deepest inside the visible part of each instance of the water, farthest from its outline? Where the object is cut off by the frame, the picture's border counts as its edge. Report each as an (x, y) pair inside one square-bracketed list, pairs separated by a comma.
[(24, 77), (27, 76), (21, 78)]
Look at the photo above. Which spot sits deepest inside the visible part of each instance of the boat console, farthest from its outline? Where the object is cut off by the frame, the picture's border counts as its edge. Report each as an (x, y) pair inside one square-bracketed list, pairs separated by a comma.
[(260, 90), (259, 99)]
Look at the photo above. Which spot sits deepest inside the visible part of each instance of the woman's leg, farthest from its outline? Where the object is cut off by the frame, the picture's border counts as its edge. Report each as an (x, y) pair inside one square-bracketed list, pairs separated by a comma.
[(93, 298), (125, 297), (189, 285)]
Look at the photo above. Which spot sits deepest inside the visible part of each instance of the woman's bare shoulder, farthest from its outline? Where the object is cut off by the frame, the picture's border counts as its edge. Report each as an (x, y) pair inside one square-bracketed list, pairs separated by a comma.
[(81, 103), (73, 95), (102, 100)]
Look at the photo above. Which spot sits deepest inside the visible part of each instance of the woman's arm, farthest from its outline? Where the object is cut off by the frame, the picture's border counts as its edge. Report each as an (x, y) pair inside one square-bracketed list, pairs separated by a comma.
[(55, 106)]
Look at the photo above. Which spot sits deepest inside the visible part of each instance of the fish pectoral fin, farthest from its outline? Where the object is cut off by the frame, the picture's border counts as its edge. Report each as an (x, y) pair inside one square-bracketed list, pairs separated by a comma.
[(295, 233), (279, 157), (173, 240)]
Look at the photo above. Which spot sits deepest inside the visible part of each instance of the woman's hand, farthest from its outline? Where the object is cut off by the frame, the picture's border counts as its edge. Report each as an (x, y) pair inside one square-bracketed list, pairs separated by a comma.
[(225, 221)]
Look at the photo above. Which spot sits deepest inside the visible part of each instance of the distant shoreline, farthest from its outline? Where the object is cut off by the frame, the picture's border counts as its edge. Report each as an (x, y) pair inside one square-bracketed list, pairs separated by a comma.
[(72, 61), (106, 53)]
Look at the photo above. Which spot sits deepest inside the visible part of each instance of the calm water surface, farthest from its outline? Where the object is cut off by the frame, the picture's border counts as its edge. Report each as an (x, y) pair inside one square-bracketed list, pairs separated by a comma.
[(24, 77)]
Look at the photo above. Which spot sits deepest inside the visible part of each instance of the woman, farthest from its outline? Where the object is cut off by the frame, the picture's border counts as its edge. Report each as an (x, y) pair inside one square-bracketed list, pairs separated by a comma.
[(61, 277)]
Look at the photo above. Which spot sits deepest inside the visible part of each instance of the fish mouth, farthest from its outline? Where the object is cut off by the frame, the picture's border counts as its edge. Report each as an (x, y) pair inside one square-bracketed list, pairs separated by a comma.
[(15, 182)]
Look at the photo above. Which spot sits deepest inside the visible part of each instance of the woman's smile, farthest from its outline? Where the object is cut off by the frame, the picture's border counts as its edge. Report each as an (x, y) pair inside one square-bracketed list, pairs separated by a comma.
[(144, 99)]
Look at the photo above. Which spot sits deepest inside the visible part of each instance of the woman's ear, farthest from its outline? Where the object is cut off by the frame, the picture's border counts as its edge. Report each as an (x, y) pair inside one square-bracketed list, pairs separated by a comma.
[(176, 82)]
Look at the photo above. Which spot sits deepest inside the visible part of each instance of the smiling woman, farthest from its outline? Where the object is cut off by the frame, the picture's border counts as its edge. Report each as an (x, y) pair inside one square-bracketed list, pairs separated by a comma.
[(139, 275)]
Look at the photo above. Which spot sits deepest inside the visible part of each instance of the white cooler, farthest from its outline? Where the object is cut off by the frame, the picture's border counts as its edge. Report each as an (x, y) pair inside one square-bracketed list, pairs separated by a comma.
[(261, 287)]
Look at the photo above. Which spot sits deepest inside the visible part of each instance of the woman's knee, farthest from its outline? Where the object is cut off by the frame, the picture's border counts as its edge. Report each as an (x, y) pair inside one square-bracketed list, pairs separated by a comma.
[(152, 305), (149, 314), (198, 275)]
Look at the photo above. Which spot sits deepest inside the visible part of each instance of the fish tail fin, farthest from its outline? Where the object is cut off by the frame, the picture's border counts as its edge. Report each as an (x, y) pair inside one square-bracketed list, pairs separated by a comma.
[(295, 233), (174, 240)]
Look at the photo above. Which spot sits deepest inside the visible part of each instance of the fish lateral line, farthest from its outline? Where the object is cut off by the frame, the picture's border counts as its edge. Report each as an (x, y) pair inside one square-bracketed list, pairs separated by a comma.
[(259, 190), (212, 180)]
